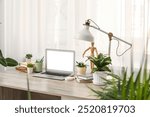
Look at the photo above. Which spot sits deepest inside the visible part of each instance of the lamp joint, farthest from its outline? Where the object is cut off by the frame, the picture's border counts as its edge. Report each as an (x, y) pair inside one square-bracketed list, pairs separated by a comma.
[(87, 22), (110, 35)]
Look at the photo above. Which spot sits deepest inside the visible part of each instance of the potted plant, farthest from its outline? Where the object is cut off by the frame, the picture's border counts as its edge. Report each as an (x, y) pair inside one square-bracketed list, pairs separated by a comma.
[(29, 68), (38, 65), (7, 62), (81, 68), (124, 87), (101, 63), (28, 58), (10, 62)]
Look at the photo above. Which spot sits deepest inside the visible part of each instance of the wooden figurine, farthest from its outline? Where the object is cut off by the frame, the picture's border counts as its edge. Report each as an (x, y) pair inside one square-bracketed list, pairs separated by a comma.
[(92, 49)]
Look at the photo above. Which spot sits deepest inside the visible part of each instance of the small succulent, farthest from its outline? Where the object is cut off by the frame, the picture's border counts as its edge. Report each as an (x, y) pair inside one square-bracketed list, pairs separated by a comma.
[(30, 65), (80, 64), (28, 56)]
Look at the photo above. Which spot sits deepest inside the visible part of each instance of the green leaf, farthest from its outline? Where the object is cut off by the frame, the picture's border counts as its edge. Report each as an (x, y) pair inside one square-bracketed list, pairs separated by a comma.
[(1, 55), (114, 76), (94, 70), (137, 81), (124, 86), (11, 62), (108, 81), (3, 62), (119, 86), (105, 68), (138, 85), (130, 88), (146, 88)]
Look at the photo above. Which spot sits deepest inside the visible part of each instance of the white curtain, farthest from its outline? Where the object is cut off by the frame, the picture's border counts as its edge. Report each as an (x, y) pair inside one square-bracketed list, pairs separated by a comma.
[(30, 26), (136, 25)]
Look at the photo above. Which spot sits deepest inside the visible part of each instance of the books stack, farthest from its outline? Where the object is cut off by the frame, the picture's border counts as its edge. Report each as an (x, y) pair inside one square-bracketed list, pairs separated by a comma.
[(22, 67), (84, 78)]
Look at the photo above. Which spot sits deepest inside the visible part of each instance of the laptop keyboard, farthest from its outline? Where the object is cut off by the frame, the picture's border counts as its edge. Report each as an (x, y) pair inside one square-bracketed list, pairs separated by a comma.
[(49, 76), (54, 74)]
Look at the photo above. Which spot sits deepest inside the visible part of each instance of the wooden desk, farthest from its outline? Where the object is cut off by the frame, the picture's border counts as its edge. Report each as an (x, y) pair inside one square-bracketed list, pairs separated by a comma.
[(11, 81)]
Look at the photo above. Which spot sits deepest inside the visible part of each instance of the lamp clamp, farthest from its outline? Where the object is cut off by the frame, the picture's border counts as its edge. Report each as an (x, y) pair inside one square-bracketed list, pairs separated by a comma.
[(87, 23), (110, 35)]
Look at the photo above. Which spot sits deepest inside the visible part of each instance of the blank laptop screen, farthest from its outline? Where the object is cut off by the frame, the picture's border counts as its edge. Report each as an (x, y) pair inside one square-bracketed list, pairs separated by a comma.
[(59, 61)]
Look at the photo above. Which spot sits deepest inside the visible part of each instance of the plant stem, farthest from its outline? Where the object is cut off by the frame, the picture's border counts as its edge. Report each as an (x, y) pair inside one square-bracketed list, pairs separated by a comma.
[(42, 59)]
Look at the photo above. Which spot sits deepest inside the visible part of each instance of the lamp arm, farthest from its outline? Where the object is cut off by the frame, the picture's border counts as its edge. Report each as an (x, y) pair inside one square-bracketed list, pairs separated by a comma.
[(117, 38), (122, 40), (110, 35), (98, 28)]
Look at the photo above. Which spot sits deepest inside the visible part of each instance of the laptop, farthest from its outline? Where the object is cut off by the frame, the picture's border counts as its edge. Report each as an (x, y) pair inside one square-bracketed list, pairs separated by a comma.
[(58, 64)]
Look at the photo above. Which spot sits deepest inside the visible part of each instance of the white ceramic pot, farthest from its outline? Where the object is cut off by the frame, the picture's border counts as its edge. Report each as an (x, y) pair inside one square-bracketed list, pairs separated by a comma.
[(81, 70), (97, 77), (28, 60), (29, 70)]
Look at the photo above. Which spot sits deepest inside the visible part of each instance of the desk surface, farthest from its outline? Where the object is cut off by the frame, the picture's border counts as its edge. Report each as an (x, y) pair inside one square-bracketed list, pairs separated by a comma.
[(17, 80)]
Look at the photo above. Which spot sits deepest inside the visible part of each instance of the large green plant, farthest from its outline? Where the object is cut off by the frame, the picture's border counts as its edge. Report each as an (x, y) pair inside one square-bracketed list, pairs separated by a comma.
[(11, 63), (101, 62), (127, 88), (7, 61)]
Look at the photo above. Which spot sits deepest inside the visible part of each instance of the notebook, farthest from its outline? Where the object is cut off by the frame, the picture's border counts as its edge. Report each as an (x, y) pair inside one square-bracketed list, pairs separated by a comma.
[(58, 64)]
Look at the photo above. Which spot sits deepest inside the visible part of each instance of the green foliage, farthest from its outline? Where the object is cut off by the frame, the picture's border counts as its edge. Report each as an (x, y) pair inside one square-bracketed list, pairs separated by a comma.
[(101, 62), (30, 65), (28, 56), (126, 88), (80, 64), (7, 61)]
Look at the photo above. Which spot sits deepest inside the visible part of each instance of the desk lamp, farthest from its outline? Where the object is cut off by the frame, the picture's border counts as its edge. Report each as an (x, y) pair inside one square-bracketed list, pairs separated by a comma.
[(86, 35)]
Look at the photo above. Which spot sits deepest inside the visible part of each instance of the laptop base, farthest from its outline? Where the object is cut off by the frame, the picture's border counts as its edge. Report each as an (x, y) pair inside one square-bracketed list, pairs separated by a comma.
[(48, 76)]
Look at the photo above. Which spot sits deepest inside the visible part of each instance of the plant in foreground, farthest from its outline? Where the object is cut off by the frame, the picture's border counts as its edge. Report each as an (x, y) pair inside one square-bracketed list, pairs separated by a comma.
[(126, 88), (10, 62)]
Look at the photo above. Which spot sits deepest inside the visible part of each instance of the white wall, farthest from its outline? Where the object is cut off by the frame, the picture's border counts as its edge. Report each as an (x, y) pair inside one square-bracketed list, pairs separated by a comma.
[(1, 23), (1, 26)]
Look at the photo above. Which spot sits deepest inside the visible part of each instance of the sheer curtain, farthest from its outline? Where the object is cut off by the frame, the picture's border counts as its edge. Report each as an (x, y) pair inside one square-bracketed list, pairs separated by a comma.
[(1, 26), (136, 30), (30, 26)]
